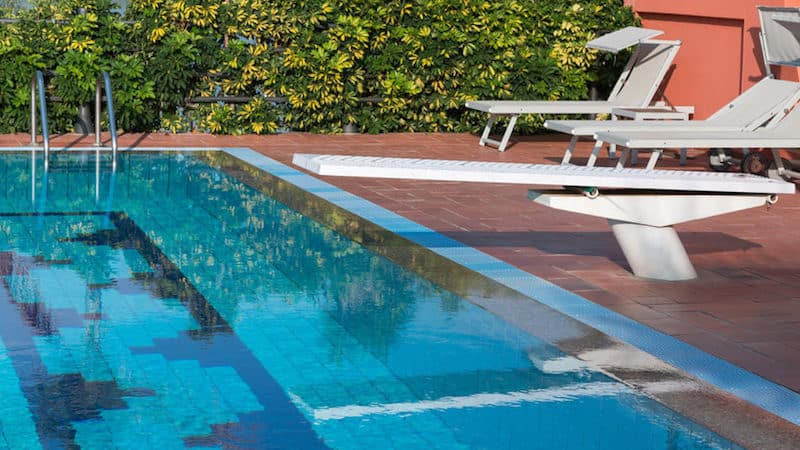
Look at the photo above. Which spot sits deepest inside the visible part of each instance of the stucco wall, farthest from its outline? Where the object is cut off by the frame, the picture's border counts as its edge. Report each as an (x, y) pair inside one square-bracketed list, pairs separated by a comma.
[(721, 54)]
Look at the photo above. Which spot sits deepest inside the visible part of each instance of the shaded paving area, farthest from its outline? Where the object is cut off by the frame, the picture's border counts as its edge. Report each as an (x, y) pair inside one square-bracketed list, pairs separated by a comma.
[(744, 307)]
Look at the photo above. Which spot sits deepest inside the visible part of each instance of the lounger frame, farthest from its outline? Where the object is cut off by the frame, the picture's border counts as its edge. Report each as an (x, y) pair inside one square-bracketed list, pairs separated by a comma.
[(629, 91)]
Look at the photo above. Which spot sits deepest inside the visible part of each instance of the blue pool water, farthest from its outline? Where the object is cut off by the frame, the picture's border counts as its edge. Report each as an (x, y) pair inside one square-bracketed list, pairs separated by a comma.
[(168, 304)]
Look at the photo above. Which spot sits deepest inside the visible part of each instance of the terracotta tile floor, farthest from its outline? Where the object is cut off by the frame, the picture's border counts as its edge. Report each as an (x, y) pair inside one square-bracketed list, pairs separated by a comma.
[(744, 307)]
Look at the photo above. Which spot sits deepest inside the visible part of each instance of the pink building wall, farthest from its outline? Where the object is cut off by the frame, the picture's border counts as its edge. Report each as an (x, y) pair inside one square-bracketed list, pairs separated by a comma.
[(721, 54)]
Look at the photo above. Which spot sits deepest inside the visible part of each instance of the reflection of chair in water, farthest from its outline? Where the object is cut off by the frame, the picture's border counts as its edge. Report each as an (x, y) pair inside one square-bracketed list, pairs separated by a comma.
[(636, 86), (640, 205)]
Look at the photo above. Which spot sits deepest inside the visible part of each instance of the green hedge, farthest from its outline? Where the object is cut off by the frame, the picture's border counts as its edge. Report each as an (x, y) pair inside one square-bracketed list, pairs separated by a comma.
[(415, 61)]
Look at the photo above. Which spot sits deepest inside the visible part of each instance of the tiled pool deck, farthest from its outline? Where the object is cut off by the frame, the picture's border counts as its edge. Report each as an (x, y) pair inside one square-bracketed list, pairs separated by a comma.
[(744, 307)]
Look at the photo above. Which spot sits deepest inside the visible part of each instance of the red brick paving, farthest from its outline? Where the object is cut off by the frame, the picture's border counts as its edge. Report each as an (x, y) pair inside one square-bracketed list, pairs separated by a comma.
[(744, 307)]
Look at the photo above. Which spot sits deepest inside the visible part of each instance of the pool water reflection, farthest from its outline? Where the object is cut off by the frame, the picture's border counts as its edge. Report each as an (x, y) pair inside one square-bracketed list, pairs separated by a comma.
[(169, 304)]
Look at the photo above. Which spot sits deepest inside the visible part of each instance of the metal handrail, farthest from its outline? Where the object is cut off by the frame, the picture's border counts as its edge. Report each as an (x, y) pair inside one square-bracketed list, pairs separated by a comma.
[(112, 121), (37, 83)]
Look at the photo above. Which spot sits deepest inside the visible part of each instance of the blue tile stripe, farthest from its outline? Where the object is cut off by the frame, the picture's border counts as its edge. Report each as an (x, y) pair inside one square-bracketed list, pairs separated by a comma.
[(746, 385)]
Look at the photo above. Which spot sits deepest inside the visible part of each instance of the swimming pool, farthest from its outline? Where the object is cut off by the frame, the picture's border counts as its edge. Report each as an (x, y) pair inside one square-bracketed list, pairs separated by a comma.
[(183, 301)]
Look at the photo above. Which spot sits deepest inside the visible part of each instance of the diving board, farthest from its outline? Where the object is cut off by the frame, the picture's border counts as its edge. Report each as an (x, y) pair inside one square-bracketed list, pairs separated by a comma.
[(640, 205), (540, 174)]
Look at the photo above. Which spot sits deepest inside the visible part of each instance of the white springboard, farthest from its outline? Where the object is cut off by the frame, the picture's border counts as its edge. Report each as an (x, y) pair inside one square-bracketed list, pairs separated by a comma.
[(540, 174)]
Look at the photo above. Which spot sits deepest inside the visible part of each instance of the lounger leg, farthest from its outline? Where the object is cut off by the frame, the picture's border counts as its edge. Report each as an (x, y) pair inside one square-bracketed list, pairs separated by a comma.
[(653, 252), (612, 148), (501, 145), (776, 155), (598, 145), (507, 135), (570, 149), (487, 129), (682, 161), (623, 157), (654, 155)]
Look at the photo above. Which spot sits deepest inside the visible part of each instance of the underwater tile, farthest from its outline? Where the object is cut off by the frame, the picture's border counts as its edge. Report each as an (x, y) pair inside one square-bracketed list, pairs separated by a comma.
[(55, 355), (202, 392), (23, 288), (19, 428), (93, 434), (233, 389)]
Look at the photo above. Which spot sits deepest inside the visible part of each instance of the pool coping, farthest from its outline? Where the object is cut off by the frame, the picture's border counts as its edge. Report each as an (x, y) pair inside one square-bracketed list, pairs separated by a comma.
[(708, 368)]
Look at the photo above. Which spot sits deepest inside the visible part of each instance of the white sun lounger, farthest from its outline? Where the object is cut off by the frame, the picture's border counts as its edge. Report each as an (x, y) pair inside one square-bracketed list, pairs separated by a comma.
[(782, 135), (640, 205), (636, 86), (765, 103)]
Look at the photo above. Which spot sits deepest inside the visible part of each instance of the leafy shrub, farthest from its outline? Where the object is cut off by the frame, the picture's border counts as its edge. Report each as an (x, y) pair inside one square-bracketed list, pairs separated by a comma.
[(397, 65), (76, 48)]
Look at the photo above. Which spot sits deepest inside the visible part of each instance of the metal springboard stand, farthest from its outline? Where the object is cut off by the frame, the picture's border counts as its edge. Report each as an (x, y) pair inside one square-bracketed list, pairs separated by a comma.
[(643, 223), (653, 252)]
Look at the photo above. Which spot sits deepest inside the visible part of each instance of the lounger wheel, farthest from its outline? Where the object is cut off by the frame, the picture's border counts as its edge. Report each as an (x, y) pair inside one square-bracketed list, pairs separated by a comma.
[(719, 160), (755, 163)]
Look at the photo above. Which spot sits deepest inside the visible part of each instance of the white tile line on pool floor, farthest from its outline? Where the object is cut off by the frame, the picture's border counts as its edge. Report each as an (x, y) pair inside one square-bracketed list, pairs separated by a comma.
[(744, 384), (479, 400)]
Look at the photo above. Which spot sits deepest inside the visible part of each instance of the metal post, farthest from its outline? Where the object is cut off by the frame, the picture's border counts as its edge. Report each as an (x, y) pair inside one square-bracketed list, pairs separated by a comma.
[(33, 177), (112, 121), (97, 100), (97, 176), (43, 113), (33, 110)]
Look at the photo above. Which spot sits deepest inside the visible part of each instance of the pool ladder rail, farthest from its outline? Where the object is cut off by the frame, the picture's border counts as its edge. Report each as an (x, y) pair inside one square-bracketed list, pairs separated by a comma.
[(103, 82)]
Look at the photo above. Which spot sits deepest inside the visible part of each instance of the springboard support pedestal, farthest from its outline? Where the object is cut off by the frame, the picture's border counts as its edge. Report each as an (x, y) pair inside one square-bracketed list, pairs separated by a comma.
[(653, 252), (643, 223)]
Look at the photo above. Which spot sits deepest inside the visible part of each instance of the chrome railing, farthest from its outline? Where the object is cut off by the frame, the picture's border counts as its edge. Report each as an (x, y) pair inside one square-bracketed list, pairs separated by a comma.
[(37, 84), (104, 82)]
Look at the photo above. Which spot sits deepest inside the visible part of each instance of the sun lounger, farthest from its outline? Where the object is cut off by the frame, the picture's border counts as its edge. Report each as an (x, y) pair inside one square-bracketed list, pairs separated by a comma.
[(781, 135), (765, 102), (640, 205), (636, 87)]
